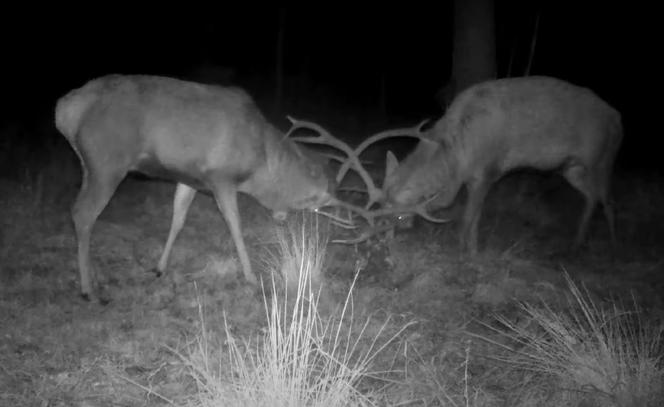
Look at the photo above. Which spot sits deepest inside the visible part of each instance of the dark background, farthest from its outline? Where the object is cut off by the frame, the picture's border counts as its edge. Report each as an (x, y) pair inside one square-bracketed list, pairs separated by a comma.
[(335, 57)]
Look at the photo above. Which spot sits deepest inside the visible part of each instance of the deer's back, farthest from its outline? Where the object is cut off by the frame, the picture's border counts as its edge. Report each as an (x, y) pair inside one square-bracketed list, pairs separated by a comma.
[(533, 121), (157, 123)]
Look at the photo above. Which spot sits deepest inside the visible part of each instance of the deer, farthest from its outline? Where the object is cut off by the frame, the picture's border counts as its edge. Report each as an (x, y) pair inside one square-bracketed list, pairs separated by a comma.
[(496, 127), (203, 137)]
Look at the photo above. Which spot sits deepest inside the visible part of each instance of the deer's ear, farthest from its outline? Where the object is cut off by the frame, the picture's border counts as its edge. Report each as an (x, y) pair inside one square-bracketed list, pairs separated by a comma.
[(391, 164)]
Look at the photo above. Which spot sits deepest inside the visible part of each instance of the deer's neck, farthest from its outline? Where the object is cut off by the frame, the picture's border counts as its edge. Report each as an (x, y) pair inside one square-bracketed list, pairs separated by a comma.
[(270, 183), (451, 172)]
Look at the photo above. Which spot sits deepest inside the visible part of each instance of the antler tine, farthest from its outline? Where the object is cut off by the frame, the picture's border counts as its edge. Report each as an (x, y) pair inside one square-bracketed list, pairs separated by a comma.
[(370, 215), (366, 214), (415, 131), (373, 230), (423, 213), (337, 220), (421, 209), (334, 157), (326, 138), (364, 236)]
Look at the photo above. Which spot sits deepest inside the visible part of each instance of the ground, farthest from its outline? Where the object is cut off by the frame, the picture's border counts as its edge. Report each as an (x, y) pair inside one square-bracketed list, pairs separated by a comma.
[(58, 350)]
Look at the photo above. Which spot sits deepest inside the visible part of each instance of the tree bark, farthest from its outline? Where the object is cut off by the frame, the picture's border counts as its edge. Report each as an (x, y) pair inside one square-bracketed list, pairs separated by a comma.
[(474, 47), (279, 64)]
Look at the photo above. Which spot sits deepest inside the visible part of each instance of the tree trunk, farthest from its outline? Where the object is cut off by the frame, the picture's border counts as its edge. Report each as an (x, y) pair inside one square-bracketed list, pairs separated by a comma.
[(474, 48), (279, 64)]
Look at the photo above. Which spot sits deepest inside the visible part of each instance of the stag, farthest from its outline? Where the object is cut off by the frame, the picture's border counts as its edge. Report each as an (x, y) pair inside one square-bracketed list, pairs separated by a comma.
[(502, 125), (203, 137)]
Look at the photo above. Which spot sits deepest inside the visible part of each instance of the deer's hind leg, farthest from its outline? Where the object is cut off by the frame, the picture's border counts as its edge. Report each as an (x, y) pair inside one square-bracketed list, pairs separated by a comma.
[(97, 188), (604, 194), (581, 178)]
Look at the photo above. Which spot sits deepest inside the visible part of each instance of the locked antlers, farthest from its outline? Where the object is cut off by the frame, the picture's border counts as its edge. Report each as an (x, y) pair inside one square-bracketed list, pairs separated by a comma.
[(375, 194)]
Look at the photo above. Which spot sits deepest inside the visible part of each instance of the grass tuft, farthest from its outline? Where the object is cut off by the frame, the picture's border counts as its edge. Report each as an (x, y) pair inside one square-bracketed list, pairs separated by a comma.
[(598, 355), (300, 358)]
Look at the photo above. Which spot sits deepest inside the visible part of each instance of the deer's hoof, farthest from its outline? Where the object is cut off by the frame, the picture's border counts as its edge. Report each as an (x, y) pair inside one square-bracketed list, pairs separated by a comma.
[(101, 300)]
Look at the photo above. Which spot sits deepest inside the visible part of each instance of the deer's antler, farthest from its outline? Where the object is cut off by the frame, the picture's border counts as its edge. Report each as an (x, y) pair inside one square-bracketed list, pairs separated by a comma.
[(324, 137), (415, 131), (370, 216)]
